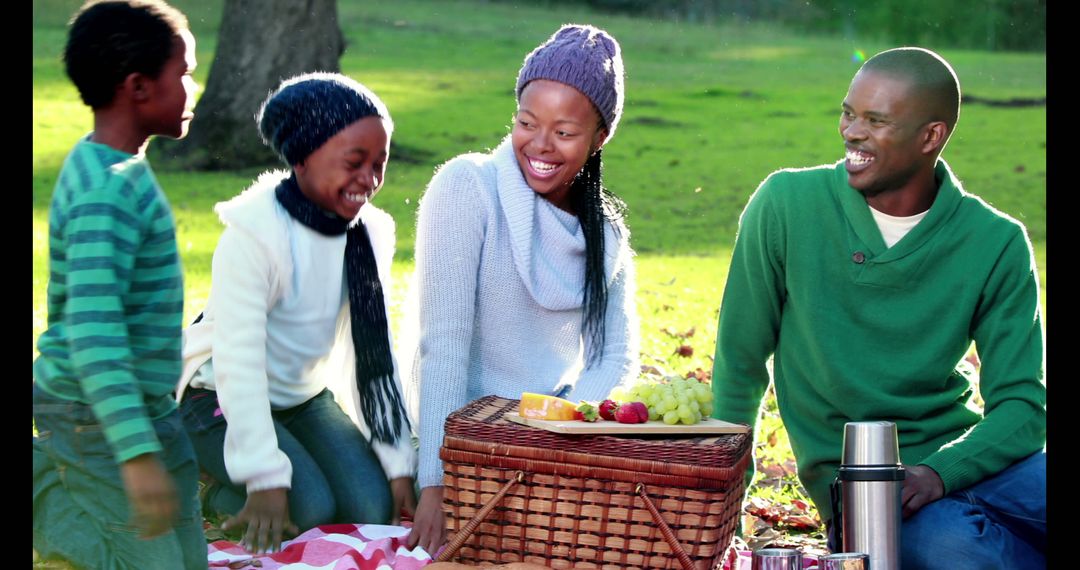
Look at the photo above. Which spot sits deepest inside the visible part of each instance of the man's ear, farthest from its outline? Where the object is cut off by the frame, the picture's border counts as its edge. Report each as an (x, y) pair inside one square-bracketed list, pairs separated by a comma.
[(934, 137)]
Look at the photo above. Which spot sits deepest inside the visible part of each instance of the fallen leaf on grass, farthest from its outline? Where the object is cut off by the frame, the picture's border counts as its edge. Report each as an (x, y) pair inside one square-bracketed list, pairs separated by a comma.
[(700, 375), (778, 470), (676, 334), (650, 369)]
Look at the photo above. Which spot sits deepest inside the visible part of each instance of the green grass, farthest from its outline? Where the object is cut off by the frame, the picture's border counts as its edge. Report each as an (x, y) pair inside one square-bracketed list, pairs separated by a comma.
[(710, 111)]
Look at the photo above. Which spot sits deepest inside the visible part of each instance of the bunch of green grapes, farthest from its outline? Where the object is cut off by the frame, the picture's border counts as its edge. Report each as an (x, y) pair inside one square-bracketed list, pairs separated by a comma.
[(672, 399)]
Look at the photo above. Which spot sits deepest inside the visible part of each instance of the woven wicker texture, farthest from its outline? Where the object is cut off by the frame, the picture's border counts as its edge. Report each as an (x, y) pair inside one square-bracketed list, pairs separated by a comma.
[(583, 501)]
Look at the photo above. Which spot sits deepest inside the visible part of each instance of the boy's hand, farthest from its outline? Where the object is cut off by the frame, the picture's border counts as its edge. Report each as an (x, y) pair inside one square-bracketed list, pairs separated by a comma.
[(429, 526), (150, 493), (401, 489), (266, 514)]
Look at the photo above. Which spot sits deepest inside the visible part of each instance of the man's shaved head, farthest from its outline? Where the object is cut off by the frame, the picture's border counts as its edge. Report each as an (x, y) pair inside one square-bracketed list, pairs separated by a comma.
[(932, 79)]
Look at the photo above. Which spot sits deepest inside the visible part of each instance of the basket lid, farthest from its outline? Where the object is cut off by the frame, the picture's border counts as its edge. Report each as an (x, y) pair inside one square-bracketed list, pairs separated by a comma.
[(484, 420)]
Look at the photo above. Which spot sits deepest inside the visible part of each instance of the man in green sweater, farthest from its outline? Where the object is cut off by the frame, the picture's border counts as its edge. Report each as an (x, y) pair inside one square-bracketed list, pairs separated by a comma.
[(867, 281)]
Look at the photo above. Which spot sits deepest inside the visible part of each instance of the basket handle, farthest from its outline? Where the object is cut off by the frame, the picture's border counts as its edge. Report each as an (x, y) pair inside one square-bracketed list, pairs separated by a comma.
[(463, 535), (669, 535)]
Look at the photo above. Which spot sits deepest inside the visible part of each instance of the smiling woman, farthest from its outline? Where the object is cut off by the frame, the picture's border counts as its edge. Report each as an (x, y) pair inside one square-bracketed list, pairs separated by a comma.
[(524, 272), (556, 129)]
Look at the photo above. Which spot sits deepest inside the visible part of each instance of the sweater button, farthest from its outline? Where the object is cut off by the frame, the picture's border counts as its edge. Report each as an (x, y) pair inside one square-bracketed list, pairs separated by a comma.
[(858, 257)]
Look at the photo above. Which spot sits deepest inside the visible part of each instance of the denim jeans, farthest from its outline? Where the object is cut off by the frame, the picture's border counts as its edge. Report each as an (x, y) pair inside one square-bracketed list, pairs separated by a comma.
[(336, 476), (81, 510), (999, 522)]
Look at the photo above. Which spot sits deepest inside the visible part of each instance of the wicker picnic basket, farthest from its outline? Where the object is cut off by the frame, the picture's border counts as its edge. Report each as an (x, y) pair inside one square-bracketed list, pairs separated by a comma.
[(515, 493)]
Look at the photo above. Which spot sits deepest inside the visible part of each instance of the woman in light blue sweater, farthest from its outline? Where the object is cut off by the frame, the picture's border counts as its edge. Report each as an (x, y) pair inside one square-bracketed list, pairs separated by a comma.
[(524, 272)]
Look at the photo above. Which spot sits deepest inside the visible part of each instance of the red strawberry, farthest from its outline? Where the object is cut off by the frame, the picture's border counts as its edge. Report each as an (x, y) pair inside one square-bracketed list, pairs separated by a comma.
[(586, 412), (632, 413), (607, 410)]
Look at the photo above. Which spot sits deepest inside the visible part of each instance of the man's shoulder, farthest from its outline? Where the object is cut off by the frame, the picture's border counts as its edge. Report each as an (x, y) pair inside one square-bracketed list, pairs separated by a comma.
[(980, 214), (980, 211), (802, 177), (798, 184)]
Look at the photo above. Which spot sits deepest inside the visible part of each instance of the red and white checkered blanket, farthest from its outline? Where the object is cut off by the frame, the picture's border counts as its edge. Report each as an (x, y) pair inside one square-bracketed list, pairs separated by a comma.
[(329, 547)]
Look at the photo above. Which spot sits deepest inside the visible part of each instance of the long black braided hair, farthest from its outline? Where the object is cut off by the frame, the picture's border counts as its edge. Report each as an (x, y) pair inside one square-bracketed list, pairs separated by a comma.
[(596, 207)]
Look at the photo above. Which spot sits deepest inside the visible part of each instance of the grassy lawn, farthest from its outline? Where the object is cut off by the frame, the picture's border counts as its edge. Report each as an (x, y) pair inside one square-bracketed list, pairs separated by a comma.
[(710, 111)]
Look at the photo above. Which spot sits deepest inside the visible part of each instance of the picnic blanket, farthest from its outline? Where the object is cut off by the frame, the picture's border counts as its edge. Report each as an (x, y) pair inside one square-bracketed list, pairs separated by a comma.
[(365, 547), (329, 547)]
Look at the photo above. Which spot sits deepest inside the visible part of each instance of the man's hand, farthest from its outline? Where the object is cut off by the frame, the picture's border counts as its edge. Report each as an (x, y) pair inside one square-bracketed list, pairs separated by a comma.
[(150, 493), (266, 514), (401, 489), (429, 526), (922, 486)]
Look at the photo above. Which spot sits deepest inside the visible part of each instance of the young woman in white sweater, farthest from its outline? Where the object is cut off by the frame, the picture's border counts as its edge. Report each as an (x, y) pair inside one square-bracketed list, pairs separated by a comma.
[(297, 306), (524, 273)]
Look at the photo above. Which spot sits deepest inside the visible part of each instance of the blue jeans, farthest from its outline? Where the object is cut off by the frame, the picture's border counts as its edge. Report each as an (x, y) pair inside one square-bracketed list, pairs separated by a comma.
[(80, 507), (336, 476), (999, 522)]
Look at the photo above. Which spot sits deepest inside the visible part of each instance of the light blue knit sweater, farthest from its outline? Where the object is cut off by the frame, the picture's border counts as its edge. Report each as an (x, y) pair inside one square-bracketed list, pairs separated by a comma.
[(498, 291)]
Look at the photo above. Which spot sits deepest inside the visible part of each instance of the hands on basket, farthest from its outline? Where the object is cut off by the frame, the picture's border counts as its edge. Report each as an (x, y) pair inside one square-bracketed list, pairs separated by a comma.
[(429, 525)]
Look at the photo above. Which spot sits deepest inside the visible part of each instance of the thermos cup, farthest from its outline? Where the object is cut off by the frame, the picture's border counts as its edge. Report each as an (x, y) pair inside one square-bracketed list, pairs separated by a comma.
[(868, 486), (844, 561), (776, 559)]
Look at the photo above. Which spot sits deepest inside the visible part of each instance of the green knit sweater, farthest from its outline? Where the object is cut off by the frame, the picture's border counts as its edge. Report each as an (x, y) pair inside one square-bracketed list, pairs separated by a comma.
[(862, 332), (115, 296)]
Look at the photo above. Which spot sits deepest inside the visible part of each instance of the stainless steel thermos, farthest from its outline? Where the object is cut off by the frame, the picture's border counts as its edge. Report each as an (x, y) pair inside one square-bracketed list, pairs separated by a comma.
[(867, 487)]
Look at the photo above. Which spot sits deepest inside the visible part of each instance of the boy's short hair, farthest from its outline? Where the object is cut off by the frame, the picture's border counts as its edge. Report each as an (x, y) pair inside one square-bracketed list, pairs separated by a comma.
[(110, 39)]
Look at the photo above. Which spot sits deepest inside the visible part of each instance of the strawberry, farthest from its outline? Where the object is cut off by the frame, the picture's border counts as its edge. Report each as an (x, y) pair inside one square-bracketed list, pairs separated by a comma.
[(642, 411), (586, 412), (632, 413), (607, 410)]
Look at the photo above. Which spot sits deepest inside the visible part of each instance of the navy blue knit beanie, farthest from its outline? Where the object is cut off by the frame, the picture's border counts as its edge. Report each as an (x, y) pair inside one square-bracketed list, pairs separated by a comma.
[(307, 110), (586, 58)]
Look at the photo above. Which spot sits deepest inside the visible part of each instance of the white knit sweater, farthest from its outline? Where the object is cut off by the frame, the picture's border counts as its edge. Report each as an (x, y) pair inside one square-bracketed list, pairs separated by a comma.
[(498, 287), (277, 326)]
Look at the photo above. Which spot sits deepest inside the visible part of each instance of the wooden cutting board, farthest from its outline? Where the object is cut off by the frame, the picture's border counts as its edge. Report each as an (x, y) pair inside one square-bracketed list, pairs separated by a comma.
[(604, 427)]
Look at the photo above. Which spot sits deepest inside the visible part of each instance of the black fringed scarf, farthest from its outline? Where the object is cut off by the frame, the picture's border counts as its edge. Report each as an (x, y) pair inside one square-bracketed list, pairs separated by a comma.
[(380, 401)]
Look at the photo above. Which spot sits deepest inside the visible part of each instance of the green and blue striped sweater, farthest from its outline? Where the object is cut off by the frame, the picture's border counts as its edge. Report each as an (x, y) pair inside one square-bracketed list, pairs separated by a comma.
[(115, 296)]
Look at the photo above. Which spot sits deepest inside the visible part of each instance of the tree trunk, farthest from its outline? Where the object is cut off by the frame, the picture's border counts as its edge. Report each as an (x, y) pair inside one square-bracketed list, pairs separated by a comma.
[(260, 43)]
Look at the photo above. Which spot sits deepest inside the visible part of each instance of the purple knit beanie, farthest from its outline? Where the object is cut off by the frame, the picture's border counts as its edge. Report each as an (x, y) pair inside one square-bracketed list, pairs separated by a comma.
[(585, 58)]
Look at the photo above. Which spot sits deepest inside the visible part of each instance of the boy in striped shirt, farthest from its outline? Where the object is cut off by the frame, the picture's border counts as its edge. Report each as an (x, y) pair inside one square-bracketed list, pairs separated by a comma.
[(115, 475)]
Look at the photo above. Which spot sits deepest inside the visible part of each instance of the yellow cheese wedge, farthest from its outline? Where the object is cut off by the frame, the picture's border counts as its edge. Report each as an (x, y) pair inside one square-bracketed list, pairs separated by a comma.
[(543, 407)]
